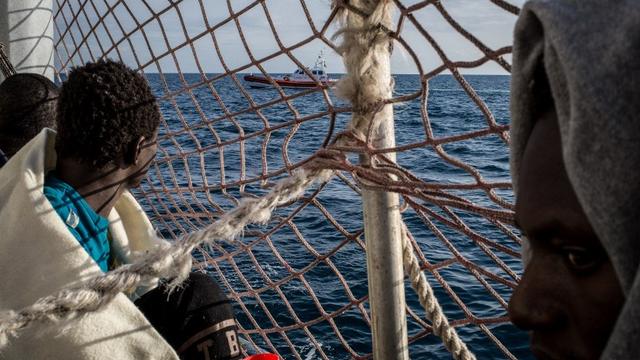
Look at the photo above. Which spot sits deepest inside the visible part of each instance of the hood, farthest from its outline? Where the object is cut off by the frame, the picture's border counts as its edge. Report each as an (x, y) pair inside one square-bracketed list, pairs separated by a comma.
[(590, 53)]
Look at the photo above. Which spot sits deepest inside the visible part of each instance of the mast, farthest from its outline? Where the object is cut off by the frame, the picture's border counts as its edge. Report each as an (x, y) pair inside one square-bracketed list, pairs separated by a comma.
[(26, 30), (383, 226)]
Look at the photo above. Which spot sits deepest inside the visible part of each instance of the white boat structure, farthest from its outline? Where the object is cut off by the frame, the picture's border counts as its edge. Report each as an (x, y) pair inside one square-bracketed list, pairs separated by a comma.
[(298, 79)]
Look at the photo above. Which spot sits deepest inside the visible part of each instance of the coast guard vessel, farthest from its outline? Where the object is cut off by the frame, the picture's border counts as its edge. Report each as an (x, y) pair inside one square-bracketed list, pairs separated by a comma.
[(298, 79)]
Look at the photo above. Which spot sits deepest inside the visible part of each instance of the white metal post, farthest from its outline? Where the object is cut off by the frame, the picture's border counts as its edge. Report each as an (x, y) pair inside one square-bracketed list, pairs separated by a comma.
[(384, 267), (26, 28), (382, 229)]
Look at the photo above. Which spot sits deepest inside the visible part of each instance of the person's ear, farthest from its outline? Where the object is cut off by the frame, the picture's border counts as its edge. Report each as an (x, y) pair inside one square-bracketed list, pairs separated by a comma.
[(139, 148), (133, 151)]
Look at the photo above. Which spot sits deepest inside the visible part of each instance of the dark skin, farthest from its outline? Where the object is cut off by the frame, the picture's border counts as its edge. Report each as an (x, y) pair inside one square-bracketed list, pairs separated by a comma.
[(102, 188), (569, 297)]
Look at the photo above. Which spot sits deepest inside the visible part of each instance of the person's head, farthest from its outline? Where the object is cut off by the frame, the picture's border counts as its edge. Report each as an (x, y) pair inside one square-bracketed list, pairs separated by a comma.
[(27, 105), (108, 119), (575, 156), (569, 296)]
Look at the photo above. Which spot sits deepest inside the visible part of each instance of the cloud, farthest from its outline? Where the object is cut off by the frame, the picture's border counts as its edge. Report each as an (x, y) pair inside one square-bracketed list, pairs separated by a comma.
[(292, 22)]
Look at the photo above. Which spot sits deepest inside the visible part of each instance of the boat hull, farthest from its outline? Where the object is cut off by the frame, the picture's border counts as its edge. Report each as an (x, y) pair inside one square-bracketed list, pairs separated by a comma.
[(263, 82)]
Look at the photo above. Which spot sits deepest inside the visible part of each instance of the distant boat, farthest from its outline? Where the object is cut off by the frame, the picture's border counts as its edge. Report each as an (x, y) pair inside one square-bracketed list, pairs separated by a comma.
[(299, 79)]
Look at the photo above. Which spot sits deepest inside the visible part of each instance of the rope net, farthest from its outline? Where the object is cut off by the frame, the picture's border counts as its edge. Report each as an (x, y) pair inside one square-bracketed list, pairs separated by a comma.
[(299, 281)]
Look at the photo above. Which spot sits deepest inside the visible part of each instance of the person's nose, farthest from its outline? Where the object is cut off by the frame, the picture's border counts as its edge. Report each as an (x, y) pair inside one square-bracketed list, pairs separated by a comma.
[(533, 305)]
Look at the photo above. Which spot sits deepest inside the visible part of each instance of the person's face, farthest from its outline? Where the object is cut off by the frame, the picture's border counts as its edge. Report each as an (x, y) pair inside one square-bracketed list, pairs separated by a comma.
[(146, 154), (569, 297)]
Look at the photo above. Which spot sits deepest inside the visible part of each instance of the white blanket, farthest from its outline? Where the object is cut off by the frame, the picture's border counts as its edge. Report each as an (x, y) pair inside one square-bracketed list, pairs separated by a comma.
[(39, 256)]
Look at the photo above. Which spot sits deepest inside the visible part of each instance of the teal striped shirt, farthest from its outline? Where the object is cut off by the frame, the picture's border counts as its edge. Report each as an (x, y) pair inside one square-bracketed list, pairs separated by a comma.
[(87, 226)]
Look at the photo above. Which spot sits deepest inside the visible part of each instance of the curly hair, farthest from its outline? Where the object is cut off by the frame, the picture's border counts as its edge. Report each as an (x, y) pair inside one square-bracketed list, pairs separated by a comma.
[(103, 109), (27, 105)]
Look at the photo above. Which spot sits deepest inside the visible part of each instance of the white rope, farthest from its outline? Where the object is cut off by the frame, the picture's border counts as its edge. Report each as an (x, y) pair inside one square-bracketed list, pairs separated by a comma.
[(429, 302), (364, 46), (361, 35), (172, 262), (365, 41)]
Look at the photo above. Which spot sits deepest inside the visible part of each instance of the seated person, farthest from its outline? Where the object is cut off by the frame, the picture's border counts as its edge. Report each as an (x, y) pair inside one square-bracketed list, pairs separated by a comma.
[(197, 320), (575, 153), (67, 215), (27, 105)]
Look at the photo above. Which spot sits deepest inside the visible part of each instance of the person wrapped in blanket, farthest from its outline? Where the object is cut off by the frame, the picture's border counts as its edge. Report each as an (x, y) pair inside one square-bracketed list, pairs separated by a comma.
[(67, 215)]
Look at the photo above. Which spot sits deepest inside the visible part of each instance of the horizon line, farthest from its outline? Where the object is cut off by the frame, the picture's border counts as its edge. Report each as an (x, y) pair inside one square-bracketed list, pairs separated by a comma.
[(275, 72)]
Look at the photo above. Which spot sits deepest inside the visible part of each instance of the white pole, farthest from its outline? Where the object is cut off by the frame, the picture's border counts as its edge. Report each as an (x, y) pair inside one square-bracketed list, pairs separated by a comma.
[(366, 54), (383, 239), (384, 263), (26, 28)]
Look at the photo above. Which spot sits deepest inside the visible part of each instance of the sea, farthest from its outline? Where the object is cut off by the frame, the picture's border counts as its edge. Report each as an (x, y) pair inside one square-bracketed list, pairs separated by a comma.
[(308, 288)]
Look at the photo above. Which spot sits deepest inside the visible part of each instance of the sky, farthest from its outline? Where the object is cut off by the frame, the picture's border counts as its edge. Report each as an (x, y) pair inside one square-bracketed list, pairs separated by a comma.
[(488, 22)]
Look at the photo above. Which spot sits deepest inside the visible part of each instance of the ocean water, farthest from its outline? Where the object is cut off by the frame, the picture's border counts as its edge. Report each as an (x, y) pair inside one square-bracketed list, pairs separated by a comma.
[(258, 261)]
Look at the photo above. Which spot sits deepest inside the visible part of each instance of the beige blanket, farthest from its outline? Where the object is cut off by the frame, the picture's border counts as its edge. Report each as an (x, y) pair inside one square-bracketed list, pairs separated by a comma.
[(38, 257)]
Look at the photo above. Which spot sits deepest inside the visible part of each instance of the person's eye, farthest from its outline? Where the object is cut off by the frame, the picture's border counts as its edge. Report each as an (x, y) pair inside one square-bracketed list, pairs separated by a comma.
[(581, 259)]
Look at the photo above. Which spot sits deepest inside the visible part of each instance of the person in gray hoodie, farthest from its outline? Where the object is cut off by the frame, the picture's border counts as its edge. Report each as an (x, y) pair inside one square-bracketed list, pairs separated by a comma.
[(575, 163)]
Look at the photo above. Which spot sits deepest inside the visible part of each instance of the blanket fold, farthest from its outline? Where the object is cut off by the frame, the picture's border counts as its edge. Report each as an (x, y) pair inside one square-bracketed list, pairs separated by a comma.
[(39, 257)]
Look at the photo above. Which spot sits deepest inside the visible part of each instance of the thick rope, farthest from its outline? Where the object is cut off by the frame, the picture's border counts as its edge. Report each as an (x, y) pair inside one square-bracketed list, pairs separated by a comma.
[(429, 302), (172, 262), (6, 67), (366, 41)]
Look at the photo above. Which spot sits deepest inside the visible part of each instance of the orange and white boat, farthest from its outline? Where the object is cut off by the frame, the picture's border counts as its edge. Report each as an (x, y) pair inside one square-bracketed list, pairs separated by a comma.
[(298, 79)]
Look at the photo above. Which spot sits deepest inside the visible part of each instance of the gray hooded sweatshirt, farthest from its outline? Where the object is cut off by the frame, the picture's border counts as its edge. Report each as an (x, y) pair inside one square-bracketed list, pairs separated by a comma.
[(590, 51)]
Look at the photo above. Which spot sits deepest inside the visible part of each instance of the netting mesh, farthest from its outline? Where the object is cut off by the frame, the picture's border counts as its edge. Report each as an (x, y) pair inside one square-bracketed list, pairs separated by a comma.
[(299, 282)]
